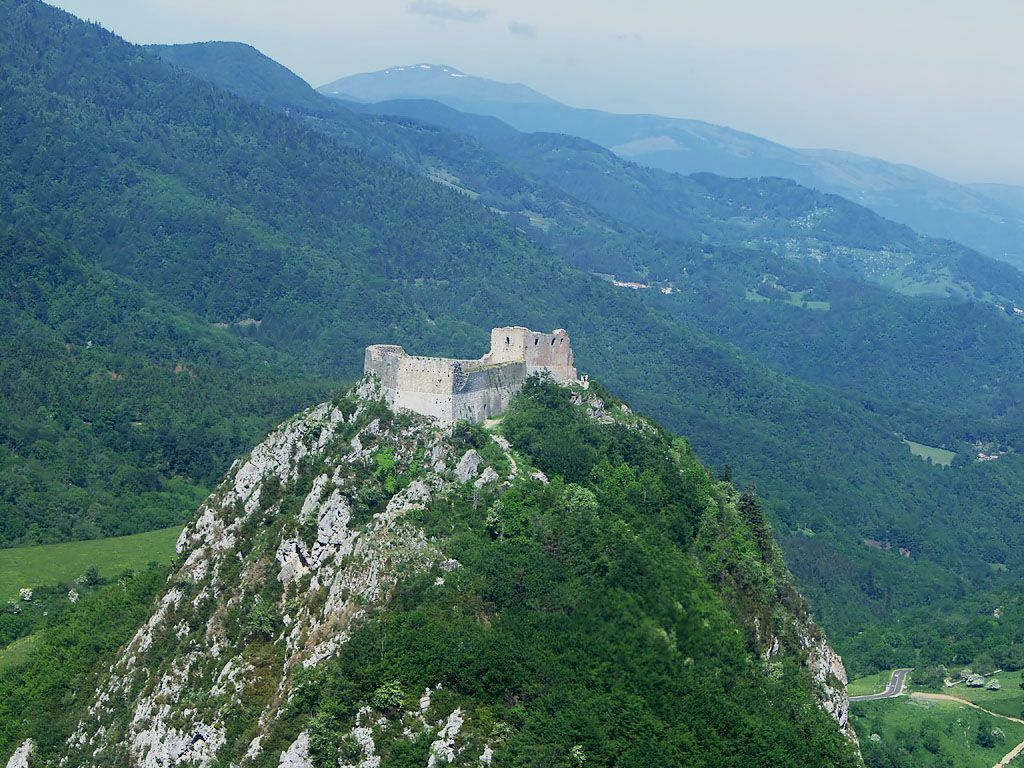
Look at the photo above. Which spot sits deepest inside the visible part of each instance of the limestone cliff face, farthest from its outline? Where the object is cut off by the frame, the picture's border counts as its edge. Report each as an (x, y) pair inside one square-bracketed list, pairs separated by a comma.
[(273, 556), (764, 594), (306, 539)]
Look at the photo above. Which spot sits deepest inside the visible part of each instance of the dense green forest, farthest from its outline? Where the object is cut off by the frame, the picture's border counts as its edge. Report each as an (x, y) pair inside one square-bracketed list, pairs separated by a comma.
[(599, 570), (74, 647), (120, 410), (234, 262), (614, 613), (881, 359)]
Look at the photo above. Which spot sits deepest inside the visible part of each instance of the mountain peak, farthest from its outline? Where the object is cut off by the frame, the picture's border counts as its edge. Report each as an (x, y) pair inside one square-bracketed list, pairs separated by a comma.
[(442, 82), (336, 594)]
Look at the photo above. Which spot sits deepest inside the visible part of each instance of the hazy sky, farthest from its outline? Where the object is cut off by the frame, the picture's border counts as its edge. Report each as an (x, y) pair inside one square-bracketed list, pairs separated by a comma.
[(935, 83)]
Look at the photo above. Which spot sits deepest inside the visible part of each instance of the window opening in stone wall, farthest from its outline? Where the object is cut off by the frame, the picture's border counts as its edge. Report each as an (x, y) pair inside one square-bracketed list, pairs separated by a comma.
[(535, 342), (552, 342), (507, 341)]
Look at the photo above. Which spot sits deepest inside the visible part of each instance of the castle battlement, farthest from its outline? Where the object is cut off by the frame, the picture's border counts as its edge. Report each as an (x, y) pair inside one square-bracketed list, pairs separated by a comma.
[(474, 390)]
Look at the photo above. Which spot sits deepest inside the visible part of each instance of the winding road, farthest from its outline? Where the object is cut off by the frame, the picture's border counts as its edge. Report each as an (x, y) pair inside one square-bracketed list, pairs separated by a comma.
[(892, 690)]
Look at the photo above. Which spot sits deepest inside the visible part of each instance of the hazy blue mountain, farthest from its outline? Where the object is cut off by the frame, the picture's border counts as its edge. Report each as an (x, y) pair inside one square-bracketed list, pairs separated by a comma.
[(1009, 195), (440, 81), (932, 205)]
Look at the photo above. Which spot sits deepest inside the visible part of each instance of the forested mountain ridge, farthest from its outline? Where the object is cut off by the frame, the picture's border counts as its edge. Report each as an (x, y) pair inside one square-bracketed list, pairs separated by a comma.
[(891, 354), (932, 205), (381, 588), (695, 236), (240, 216), (607, 192)]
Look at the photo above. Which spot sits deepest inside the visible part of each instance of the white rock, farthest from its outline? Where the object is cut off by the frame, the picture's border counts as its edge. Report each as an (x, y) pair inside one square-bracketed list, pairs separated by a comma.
[(312, 500), (297, 755), (488, 476), (538, 475), (332, 521), (293, 561), (443, 748), (467, 466), (21, 755)]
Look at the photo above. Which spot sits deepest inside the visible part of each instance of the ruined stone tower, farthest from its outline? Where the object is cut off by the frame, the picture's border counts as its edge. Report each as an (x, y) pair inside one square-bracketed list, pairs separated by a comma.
[(473, 390)]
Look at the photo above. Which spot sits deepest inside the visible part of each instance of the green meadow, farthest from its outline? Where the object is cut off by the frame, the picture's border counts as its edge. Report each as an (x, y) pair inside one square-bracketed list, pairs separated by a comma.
[(48, 564), (1008, 700), (916, 734), (939, 456)]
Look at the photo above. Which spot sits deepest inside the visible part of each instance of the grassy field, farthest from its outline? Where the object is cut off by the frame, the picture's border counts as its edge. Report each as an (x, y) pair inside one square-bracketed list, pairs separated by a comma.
[(939, 456), (868, 684), (52, 563), (796, 299), (17, 652), (1008, 700), (922, 732)]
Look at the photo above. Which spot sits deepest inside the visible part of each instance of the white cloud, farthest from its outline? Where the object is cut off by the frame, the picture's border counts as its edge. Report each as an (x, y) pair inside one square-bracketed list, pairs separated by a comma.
[(522, 29), (441, 9)]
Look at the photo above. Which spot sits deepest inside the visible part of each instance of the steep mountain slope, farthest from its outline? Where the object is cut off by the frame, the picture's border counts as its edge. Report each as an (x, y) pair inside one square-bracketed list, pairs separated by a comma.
[(236, 214), (120, 409), (929, 204), (365, 587), (244, 70)]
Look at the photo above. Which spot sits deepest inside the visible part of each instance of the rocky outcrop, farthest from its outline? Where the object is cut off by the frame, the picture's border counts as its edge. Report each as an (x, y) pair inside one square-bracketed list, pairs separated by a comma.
[(467, 466), (830, 679), (297, 755), (310, 536), (303, 540), (21, 756), (280, 527)]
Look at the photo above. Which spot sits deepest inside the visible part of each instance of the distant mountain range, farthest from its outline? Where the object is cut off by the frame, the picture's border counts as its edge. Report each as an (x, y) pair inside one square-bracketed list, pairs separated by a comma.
[(989, 218)]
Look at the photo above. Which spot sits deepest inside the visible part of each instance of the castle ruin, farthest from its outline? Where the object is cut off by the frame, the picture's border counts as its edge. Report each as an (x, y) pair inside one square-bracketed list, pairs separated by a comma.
[(473, 390)]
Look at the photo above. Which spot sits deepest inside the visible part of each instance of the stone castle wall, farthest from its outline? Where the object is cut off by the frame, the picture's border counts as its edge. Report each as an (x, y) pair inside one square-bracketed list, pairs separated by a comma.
[(473, 390)]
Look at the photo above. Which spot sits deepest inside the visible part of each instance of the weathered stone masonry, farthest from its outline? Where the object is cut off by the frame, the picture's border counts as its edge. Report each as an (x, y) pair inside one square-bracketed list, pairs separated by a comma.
[(470, 389)]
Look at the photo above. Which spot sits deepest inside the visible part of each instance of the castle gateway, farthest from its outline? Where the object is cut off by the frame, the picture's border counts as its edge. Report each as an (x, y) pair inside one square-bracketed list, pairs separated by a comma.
[(473, 390)]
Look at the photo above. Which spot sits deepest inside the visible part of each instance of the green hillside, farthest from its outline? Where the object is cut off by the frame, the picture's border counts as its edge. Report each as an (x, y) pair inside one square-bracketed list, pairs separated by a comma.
[(242, 69), (878, 364), (261, 256), (623, 609)]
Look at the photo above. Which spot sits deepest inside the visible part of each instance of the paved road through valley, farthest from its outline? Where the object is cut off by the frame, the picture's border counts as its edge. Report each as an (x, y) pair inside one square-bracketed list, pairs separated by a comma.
[(892, 690)]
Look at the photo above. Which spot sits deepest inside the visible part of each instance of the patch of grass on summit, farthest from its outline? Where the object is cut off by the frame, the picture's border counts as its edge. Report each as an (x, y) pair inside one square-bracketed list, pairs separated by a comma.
[(939, 456), (17, 653), (48, 564)]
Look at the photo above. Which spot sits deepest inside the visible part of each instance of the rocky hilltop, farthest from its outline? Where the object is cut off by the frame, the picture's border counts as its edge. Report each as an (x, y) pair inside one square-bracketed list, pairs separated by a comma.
[(371, 589)]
